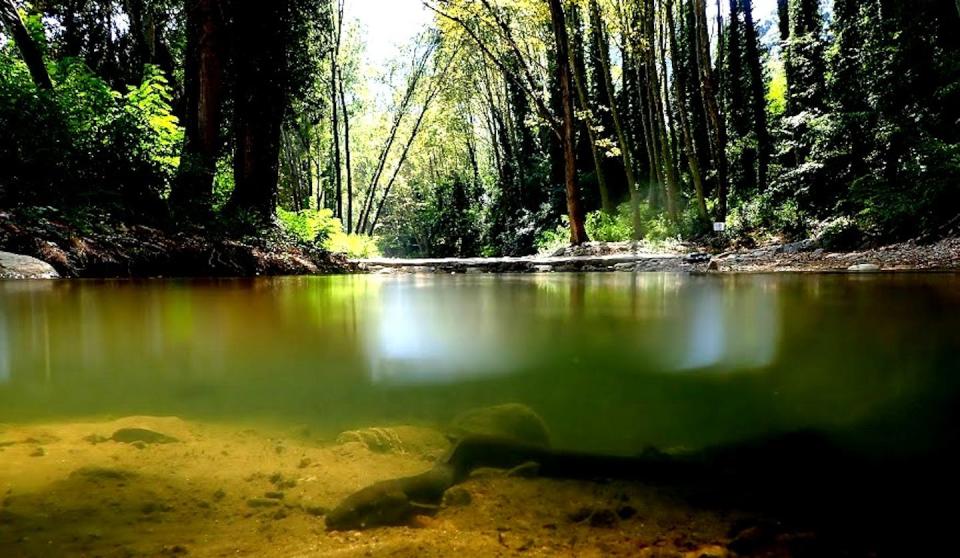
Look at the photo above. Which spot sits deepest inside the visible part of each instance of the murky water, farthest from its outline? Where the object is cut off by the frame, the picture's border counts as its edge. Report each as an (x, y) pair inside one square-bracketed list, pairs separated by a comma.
[(614, 363), (254, 379)]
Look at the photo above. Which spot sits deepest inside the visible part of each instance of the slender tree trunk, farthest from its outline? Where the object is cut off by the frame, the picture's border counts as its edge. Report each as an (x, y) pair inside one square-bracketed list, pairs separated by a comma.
[(349, 156), (585, 106), (711, 107), (626, 147), (578, 232), (29, 49), (671, 184), (371, 196), (680, 89), (783, 14), (204, 80), (334, 95), (335, 126), (758, 100), (437, 88)]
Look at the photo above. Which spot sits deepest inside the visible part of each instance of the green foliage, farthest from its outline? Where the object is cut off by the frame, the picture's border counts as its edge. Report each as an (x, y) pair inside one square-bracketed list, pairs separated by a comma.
[(440, 220), (603, 227), (310, 225), (149, 103), (85, 143), (321, 228), (353, 245), (655, 225)]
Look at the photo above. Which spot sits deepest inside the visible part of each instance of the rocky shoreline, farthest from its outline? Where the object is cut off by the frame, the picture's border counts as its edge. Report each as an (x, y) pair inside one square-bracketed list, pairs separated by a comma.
[(806, 256)]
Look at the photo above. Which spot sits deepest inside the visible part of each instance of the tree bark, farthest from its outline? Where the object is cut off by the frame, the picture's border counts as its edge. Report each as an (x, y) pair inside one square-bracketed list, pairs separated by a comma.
[(680, 90), (260, 100), (783, 12), (579, 80), (578, 232), (334, 95), (718, 139), (349, 156), (204, 79), (758, 95), (29, 50), (370, 199)]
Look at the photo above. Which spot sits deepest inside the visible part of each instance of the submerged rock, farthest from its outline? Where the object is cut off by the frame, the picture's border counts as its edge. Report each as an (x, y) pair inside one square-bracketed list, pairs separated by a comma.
[(103, 474), (15, 266), (142, 436), (397, 440), (262, 503), (512, 420), (457, 497)]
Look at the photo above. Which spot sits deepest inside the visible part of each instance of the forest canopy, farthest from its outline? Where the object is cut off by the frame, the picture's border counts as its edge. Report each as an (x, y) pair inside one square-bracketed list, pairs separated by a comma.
[(505, 127)]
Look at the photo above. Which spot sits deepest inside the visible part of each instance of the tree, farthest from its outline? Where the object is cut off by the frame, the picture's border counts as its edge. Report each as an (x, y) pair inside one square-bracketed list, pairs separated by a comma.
[(261, 88), (708, 90), (204, 77), (523, 77), (29, 49), (757, 94), (577, 230)]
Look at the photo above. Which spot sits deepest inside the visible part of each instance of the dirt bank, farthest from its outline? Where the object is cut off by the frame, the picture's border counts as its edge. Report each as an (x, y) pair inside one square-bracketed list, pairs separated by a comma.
[(111, 249)]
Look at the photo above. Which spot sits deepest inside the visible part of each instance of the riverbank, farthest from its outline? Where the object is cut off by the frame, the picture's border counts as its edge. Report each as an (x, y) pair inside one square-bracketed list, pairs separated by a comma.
[(805, 256), (117, 250), (111, 249)]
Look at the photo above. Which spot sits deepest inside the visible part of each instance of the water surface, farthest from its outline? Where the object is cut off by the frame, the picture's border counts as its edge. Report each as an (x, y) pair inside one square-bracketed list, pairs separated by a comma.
[(613, 362)]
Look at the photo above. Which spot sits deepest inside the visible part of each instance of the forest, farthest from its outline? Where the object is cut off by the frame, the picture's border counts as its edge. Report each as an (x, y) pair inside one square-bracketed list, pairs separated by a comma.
[(506, 127)]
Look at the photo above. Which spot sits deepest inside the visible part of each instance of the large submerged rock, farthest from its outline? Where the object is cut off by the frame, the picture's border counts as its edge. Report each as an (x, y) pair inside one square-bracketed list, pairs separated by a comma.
[(511, 420), (15, 266)]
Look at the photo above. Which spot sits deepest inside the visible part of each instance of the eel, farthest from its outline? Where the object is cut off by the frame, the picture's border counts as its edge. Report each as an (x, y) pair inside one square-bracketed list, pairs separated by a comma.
[(396, 501)]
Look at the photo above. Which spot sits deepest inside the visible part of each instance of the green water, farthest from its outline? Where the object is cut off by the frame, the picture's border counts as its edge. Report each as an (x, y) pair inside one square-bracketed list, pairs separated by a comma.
[(614, 363)]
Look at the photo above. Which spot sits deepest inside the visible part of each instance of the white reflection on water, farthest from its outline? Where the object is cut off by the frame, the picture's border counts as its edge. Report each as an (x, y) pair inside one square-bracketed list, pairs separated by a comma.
[(423, 333), (730, 329), (420, 334)]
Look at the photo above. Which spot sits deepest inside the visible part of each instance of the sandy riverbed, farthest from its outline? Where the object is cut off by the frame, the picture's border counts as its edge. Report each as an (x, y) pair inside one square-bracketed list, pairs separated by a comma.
[(229, 491)]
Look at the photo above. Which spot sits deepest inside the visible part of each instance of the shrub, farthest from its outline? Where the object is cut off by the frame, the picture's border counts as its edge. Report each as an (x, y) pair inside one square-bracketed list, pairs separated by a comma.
[(83, 143), (321, 228)]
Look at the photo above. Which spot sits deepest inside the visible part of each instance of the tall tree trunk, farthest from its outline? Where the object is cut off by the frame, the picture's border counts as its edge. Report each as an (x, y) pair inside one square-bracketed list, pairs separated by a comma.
[(783, 13), (680, 90), (29, 49), (349, 156), (370, 199), (578, 232), (437, 88), (335, 126), (758, 95), (260, 100), (204, 79), (579, 78), (661, 101), (718, 134), (334, 95), (626, 146)]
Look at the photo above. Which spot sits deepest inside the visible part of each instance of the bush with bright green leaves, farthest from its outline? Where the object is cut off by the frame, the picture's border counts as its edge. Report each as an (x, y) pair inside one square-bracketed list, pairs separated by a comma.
[(322, 229), (84, 143)]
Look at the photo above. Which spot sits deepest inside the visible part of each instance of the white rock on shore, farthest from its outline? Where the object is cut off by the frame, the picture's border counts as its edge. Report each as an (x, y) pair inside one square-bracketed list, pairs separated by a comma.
[(15, 266)]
